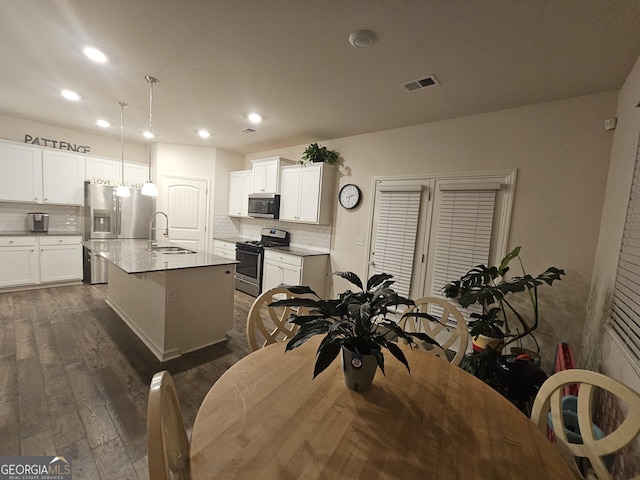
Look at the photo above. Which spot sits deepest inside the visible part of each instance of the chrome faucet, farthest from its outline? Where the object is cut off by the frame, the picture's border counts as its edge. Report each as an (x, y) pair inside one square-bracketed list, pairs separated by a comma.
[(151, 243)]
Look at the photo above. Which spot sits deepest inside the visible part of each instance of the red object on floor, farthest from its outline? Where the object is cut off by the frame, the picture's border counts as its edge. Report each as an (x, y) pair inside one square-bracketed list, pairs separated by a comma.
[(564, 361)]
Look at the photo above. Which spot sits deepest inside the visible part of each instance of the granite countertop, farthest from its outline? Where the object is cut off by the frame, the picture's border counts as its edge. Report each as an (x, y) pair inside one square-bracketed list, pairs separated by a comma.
[(133, 256), (232, 239), (40, 234), (299, 251)]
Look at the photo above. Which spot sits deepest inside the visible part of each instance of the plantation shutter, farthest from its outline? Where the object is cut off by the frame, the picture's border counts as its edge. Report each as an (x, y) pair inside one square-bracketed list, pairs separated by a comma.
[(397, 217), (625, 313), (463, 232)]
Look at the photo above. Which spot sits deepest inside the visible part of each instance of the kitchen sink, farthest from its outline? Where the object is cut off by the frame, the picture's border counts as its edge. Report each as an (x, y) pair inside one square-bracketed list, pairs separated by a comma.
[(171, 250)]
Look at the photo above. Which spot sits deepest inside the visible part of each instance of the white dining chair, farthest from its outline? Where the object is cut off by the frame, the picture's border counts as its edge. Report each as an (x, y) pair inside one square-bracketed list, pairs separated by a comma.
[(548, 409), (267, 325), (168, 443), (450, 328)]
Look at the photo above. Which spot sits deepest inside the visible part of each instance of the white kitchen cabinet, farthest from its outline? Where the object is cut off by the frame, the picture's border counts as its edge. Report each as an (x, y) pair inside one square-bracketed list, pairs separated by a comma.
[(284, 268), (103, 170), (135, 174), (60, 258), (240, 186), (266, 174), (224, 249), (19, 260), (21, 173), (307, 193), (63, 177), (109, 171)]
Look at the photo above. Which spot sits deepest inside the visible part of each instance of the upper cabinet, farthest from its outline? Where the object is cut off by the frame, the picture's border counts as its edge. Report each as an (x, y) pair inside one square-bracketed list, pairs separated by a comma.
[(63, 178), (307, 193), (21, 178), (102, 168), (240, 186), (266, 174), (135, 174)]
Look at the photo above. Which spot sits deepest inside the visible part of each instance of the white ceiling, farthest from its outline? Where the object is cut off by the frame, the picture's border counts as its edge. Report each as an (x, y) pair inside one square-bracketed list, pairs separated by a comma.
[(291, 60)]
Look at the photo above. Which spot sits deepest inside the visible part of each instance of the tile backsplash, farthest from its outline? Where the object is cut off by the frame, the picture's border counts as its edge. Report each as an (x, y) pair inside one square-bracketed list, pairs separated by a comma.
[(302, 235), (62, 218)]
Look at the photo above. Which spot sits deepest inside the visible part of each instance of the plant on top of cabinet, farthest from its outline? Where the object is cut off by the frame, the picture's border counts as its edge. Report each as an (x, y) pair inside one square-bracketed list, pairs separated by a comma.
[(316, 153)]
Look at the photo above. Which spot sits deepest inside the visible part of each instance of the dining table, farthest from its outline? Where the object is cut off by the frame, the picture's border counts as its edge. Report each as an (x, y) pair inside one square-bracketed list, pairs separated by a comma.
[(267, 418)]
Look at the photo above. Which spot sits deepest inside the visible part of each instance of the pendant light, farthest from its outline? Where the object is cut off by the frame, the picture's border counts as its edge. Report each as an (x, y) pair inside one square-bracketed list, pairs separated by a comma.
[(149, 188), (122, 190)]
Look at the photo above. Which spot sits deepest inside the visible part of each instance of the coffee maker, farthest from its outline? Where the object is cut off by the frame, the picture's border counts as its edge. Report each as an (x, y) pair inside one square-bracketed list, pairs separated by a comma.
[(38, 221)]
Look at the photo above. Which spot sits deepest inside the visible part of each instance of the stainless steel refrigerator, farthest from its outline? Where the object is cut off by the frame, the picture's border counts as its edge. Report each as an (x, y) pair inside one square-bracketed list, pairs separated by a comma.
[(107, 216)]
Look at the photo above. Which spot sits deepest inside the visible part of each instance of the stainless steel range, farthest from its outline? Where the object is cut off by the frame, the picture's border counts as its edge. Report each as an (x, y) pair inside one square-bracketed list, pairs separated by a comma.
[(250, 254)]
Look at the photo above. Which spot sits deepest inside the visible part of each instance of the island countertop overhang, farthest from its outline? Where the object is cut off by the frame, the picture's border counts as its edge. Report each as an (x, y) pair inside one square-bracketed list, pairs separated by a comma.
[(133, 256)]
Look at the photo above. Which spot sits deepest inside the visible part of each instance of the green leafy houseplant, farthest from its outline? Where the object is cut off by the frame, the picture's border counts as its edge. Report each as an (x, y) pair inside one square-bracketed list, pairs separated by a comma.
[(500, 317), (356, 319), (317, 153)]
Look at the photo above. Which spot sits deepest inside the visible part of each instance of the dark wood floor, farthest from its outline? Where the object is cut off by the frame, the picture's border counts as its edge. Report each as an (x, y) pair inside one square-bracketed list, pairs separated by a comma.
[(74, 379)]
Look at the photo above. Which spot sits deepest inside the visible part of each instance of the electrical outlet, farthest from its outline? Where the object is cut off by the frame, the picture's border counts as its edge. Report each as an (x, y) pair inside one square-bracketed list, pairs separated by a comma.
[(172, 295), (360, 240)]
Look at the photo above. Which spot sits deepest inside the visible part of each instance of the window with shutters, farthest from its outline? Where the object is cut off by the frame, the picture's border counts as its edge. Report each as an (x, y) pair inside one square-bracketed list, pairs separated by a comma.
[(429, 231), (625, 312)]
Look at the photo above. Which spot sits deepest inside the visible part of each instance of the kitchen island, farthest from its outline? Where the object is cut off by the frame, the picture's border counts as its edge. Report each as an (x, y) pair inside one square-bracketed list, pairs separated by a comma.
[(175, 302)]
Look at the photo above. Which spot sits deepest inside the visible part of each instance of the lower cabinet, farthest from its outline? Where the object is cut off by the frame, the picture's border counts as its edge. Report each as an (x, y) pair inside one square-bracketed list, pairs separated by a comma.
[(34, 260), (60, 259), (283, 268), (224, 249), (19, 260)]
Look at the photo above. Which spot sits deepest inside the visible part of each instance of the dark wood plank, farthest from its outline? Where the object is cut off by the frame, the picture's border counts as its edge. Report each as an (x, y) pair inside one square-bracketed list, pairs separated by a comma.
[(128, 420), (38, 445), (64, 414), (91, 406), (113, 462), (34, 413), (25, 340), (83, 465), (9, 413), (67, 347)]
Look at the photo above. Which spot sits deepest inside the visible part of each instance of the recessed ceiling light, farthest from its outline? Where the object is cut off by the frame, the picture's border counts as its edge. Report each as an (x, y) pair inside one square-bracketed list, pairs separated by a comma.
[(204, 133), (362, 38), (95, 54), (69, 95), (148, 135), (254, 117), (103, 123)]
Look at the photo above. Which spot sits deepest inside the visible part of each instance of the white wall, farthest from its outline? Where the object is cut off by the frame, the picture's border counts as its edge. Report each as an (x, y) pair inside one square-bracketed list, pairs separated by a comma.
[(561, 151), (15, 129), (207, 163)]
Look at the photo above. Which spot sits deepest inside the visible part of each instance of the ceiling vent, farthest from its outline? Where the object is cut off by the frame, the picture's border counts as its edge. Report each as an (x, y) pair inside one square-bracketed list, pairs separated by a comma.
[(425, 82), (248, 130)]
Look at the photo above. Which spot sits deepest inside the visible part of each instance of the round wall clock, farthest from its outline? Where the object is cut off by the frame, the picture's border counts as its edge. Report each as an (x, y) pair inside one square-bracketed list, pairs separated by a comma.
[(349, 196)]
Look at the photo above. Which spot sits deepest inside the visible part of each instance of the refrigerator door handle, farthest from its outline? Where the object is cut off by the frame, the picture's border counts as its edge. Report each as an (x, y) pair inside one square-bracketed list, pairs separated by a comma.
[(119, 220)]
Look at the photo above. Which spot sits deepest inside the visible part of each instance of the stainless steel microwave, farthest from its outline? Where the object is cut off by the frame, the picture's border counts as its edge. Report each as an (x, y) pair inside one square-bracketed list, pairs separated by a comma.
[(264, 205)]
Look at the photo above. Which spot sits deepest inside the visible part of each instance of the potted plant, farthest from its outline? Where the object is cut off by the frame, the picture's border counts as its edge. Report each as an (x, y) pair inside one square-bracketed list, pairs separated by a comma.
[(500, 317), (355, 323), (316, 153)]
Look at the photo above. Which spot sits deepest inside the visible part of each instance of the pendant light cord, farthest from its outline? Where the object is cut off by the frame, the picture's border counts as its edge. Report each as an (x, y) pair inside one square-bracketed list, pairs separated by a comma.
[(152, 81), (122, 105)]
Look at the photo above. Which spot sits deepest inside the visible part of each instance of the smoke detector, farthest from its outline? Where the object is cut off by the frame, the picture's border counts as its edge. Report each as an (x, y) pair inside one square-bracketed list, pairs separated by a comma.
[(362, 38)]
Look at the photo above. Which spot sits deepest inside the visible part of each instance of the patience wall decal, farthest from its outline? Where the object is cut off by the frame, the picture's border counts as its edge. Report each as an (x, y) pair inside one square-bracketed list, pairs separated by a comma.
[(59, 144)]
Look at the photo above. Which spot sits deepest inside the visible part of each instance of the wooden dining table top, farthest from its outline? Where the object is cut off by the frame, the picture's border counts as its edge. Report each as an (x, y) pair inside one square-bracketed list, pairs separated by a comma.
[(266, 418)]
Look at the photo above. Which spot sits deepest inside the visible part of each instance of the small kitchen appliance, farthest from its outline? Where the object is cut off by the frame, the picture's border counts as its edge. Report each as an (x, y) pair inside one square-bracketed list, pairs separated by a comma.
[(264, 205), (250, 253), (38, 221)]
